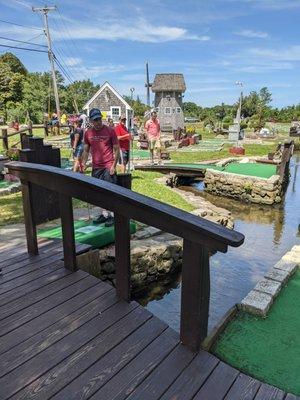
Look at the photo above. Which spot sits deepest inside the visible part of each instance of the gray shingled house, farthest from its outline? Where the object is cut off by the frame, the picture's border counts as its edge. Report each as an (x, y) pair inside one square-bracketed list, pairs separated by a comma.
[(111, 104), (169, 89)]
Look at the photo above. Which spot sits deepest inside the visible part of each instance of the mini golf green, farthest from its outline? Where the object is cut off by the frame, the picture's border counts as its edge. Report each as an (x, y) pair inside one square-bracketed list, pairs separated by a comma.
[(5, 184), (141, 154), (86, 232), (267, 349), (252, 169)]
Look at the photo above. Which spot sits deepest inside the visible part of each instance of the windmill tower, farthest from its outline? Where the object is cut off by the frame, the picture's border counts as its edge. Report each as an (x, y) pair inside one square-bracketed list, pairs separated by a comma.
[(148, 85)]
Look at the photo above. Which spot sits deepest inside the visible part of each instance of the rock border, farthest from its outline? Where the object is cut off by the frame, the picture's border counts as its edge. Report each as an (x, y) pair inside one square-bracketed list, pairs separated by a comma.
[(259, 300)]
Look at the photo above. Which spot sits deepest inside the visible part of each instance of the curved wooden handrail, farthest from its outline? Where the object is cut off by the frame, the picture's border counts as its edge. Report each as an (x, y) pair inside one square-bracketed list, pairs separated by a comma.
[(129, 204), (199, 235)]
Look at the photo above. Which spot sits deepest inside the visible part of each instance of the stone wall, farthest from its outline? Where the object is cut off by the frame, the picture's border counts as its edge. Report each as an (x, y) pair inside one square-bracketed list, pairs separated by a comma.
[(154, 256), (245, 188)]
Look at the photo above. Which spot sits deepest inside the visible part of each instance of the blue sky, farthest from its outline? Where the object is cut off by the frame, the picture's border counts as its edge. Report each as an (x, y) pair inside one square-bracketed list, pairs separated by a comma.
[(214, 43)]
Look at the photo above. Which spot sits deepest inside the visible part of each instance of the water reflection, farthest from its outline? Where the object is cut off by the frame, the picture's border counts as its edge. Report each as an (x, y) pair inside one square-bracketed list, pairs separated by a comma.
[(270, 232)]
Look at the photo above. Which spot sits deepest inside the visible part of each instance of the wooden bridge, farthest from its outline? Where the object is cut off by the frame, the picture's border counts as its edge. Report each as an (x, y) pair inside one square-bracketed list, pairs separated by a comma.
[(68, 335)]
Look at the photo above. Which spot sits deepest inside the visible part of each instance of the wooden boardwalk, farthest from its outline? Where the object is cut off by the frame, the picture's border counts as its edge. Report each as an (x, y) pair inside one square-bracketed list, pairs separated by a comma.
[(65, 335)]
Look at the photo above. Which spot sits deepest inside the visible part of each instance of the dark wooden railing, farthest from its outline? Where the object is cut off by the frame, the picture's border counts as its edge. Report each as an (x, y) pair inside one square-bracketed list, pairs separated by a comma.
[(24, 133), (199, 235)]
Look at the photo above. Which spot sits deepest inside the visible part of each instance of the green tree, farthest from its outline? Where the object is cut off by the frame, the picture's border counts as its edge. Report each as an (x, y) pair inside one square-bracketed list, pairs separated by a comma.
[(78, 92), (14, 63), (191, 109), (11, 84), (138, 107)]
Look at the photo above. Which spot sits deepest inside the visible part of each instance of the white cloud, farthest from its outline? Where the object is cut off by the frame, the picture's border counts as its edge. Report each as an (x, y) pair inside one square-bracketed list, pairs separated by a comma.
[(248, 33), (138, 30), (72, 61), (276, 4), (97, 71), (291, 53)]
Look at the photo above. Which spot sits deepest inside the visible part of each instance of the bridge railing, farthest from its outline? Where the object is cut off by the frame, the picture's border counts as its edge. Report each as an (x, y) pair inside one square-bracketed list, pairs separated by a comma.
[(199, 235)]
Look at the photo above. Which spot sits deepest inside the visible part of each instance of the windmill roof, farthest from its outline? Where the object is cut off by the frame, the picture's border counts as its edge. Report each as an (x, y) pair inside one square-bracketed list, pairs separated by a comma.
[(168, 82)]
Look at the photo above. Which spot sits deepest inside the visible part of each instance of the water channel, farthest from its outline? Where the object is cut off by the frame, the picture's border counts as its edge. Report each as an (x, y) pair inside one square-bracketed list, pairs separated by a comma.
[(270, 231)]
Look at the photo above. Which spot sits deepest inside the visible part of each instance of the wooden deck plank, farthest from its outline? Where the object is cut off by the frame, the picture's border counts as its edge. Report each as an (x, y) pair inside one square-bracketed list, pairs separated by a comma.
[(50, 284), (40, 341), (268, 392), (22, 285), (70, 284), (244, 388), (18, 269), (164, 375), (48, 250), (43, 362), (106, 353), (20, 253), (218, 383), (192, 378), (124, 382), (80, 298)]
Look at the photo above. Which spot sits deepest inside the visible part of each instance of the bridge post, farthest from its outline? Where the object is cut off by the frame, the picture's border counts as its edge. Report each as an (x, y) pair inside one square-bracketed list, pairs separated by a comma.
[(122, 256), (67, 225), (195, 294), (30, 226)]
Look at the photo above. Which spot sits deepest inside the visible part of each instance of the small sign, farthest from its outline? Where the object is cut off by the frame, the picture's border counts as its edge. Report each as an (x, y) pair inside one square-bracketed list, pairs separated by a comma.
[(89, 229)]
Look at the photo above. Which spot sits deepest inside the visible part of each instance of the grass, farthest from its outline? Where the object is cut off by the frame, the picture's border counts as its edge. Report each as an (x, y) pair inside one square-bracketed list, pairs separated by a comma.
[(144, 183)]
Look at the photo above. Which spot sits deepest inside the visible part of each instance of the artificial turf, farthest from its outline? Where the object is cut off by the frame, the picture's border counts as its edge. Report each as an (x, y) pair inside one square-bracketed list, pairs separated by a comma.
[(4, 184), (267, 349), (252, 169), (86, 232)]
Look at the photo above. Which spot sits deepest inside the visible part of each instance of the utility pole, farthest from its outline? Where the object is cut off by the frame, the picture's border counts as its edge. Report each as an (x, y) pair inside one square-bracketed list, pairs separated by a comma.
[(45, 11)]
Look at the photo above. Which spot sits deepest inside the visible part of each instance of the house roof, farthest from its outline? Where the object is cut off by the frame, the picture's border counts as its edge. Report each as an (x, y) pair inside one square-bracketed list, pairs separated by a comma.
[(104, 86), (168, 82)]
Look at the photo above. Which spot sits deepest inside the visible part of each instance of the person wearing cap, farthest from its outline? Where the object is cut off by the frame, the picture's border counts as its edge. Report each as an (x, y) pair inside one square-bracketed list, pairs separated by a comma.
[(124, 140), (101, 140), (152, 127)]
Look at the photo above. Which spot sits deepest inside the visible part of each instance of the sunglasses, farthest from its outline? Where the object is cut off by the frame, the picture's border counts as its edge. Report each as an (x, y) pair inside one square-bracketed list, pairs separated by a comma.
[(97, 119)]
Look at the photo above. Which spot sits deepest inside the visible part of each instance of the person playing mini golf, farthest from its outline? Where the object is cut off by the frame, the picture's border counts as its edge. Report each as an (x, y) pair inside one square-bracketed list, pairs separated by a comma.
[(101, 140)]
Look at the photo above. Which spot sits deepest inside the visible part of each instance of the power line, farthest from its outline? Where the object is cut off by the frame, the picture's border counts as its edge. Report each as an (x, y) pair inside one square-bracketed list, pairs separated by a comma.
[(76, 49), (58, 63), (57, 51), (24, 26), (24, 48), (21, 41)]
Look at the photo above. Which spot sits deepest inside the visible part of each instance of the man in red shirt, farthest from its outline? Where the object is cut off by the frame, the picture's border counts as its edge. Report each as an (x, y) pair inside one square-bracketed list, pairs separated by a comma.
[(101, 140), (124, 140), (152, 127)]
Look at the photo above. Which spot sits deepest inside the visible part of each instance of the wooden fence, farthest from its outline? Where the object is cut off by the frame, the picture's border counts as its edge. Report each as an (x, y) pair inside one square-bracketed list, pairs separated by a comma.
[(199, 235), (24, 133)]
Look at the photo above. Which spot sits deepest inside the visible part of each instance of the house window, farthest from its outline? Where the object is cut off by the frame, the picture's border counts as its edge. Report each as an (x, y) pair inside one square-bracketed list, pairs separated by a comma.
[(174, 110), (178, 110), (115, 113), (167, 110), (156, 109)]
